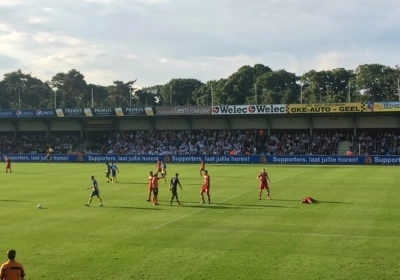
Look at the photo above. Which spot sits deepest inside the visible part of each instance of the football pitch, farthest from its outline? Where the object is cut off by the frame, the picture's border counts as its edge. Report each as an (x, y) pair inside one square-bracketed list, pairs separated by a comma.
[(353, 233)]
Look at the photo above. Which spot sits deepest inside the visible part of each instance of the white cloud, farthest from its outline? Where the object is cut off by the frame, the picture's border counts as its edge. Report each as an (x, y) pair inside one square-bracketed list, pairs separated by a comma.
[(158, 40), (100, 1), (9, 3), (48, 38), (36, 20)]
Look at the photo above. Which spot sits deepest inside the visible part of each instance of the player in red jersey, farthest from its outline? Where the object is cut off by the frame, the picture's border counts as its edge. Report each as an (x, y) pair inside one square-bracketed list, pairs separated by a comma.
[(264, 179), (154, 185), (308, 200), (158, 165), (150, 188), (205, 188), (202, 167), (48, 154), (8, 164)]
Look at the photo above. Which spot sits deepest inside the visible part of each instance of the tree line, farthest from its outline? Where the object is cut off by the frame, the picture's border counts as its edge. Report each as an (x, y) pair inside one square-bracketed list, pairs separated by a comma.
[(248, 85)]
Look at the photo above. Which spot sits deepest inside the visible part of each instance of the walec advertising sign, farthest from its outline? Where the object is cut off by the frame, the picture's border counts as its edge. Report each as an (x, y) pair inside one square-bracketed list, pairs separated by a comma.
[(325, 108), (249, 109), (183, 110)]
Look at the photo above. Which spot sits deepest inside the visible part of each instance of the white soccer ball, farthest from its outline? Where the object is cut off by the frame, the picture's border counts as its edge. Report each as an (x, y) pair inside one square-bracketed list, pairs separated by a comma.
[(39, 206)]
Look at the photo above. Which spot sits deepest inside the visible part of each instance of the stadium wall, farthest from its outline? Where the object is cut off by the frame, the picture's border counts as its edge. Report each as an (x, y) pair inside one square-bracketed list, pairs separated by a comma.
[(7, 126), (209, 123), (172, 124), (185, 123), (141, 124), (31, 126), (373, 122), (249, 123), (290, 122), (65, 126)]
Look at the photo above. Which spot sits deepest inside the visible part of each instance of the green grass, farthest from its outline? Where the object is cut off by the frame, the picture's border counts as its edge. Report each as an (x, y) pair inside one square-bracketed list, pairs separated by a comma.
[(354, 233)]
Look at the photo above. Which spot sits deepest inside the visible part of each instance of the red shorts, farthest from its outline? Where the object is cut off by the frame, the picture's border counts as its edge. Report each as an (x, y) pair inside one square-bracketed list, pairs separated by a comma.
[(205, 189), (8, 166), (158, 169), (264, 186), (307, 200)]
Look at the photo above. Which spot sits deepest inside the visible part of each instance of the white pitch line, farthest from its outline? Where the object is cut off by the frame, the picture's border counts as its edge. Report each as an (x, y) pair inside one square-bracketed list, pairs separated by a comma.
[(221, 195), (229, 198), (287, 233)]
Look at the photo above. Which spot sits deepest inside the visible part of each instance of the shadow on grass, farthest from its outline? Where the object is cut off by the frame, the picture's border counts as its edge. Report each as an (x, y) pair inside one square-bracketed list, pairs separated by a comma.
[(128, 183), (134, 208), (212, 206), (319, 201), (26, 172), (240, 177), (12, 200), (341, 202), (258, 205), (230, 206)]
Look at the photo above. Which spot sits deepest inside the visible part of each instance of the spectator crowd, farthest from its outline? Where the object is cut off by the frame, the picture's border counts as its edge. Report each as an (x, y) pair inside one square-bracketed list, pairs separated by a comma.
[(37, 142), (207, 142), (375, 143), (221, 142)]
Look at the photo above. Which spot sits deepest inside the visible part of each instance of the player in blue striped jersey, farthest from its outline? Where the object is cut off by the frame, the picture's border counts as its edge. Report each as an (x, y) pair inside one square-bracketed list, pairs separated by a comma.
[(95, 192), (114, 170)]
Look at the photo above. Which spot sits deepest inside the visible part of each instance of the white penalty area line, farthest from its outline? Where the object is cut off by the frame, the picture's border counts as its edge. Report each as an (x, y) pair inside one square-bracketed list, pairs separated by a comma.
[(229, 198), (287, 233)]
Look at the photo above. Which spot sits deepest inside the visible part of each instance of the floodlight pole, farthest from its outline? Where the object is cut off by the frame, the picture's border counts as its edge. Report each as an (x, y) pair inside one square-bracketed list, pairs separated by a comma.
[(398, 88), (301, 92), (19, 98), (255, 91), (212, 96), (348, 94)]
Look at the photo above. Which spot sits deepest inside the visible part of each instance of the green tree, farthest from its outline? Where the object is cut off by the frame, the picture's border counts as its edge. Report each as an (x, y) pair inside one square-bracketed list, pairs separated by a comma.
[(329, 86), (239, 86), (376, 82), (24, 91), (100, 95), (71, 89), (179, 92), (278, 87), (205, 94), (4, 99), (120, 94), (147, 96), (215, 93)]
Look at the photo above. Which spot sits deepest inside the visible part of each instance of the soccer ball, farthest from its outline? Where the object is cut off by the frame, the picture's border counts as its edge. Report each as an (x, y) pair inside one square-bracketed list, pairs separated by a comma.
[(39, 206)]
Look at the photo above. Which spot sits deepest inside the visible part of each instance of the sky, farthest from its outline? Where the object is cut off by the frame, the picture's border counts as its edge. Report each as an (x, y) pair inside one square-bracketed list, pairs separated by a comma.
[(154, 41)]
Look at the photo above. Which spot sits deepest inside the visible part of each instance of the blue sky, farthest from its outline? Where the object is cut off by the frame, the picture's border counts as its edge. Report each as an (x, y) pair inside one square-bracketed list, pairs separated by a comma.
[(155, 41)]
